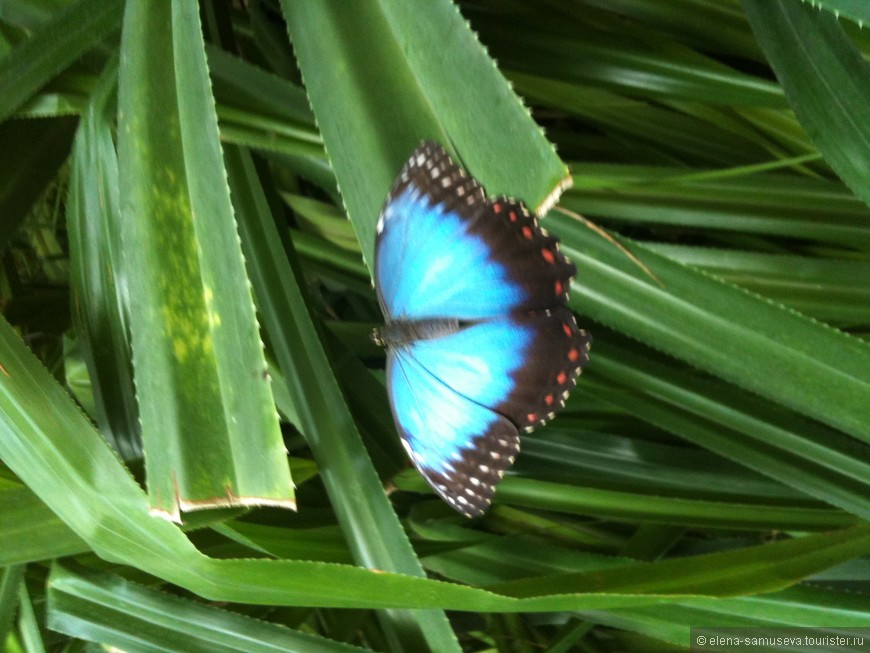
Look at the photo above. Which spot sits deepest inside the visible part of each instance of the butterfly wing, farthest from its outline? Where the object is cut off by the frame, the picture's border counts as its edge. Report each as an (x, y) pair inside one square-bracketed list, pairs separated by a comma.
[(461, 448), (459, 400), (444, 250)]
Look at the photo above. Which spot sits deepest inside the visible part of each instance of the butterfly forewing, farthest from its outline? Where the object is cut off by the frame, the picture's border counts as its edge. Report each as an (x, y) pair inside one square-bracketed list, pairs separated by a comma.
[(444, 250)]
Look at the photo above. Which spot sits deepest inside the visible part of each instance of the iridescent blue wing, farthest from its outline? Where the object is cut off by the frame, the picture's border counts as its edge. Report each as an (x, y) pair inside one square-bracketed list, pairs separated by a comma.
[(444, 250), (459, 400), (460, 447)]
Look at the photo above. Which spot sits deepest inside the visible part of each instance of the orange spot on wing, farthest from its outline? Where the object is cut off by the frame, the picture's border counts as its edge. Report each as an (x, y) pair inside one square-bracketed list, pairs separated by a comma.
[(561, 377), (527, 233), (566, 328), (573, 355), (558, 287), (549, 257), (549, 400), (513, 216)]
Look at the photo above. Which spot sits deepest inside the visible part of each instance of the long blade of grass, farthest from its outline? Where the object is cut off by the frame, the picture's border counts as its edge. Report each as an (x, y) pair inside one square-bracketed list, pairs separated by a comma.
[(55, 46), (397, 85), (607, 503), (773, 205), (740, 337), (100, 304), (11, 579), (854, 9), (581, 46), (30, 531), (664, 132), (806, 456), (728, 572), (28, 625), (208, 418), (833, 290), (826, 81), (108, 609)]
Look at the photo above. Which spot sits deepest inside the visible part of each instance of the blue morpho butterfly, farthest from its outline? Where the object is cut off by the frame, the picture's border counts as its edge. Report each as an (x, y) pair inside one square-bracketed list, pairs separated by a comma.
[(480, 343)]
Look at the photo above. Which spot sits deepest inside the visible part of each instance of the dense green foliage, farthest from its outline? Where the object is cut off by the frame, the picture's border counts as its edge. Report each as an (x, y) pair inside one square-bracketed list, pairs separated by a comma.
[(712, 468)]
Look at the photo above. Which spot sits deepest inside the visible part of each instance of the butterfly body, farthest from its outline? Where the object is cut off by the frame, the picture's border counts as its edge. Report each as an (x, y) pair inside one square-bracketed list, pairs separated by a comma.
[(479, 342), (402, 333)]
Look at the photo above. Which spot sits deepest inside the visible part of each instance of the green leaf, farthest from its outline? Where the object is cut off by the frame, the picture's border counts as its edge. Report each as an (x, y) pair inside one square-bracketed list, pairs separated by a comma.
[(854, 9), (826, 81), (771, 205), (209, 424), (832, 290), (107, 609), (30, 531), (707, 25), (100, 304), (626, 506), (721, 329), (28, 625), (53, 48), (11, 579), (582, 48), (665, 510), (814, 460), (661, 130), (758, 569), (397, 85), (631, 463)]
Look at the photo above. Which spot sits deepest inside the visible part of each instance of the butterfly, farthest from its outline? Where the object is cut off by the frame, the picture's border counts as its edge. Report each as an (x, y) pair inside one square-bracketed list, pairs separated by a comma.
[(480, 344)]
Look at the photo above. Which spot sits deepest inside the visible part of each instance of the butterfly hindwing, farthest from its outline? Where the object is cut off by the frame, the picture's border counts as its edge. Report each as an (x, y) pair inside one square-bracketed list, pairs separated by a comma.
[(461, 448), (553, 358), (444, 249), (460, 399)]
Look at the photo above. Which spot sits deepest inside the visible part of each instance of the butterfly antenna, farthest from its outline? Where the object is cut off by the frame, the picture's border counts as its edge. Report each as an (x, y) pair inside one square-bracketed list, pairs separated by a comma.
[(601, 232)]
